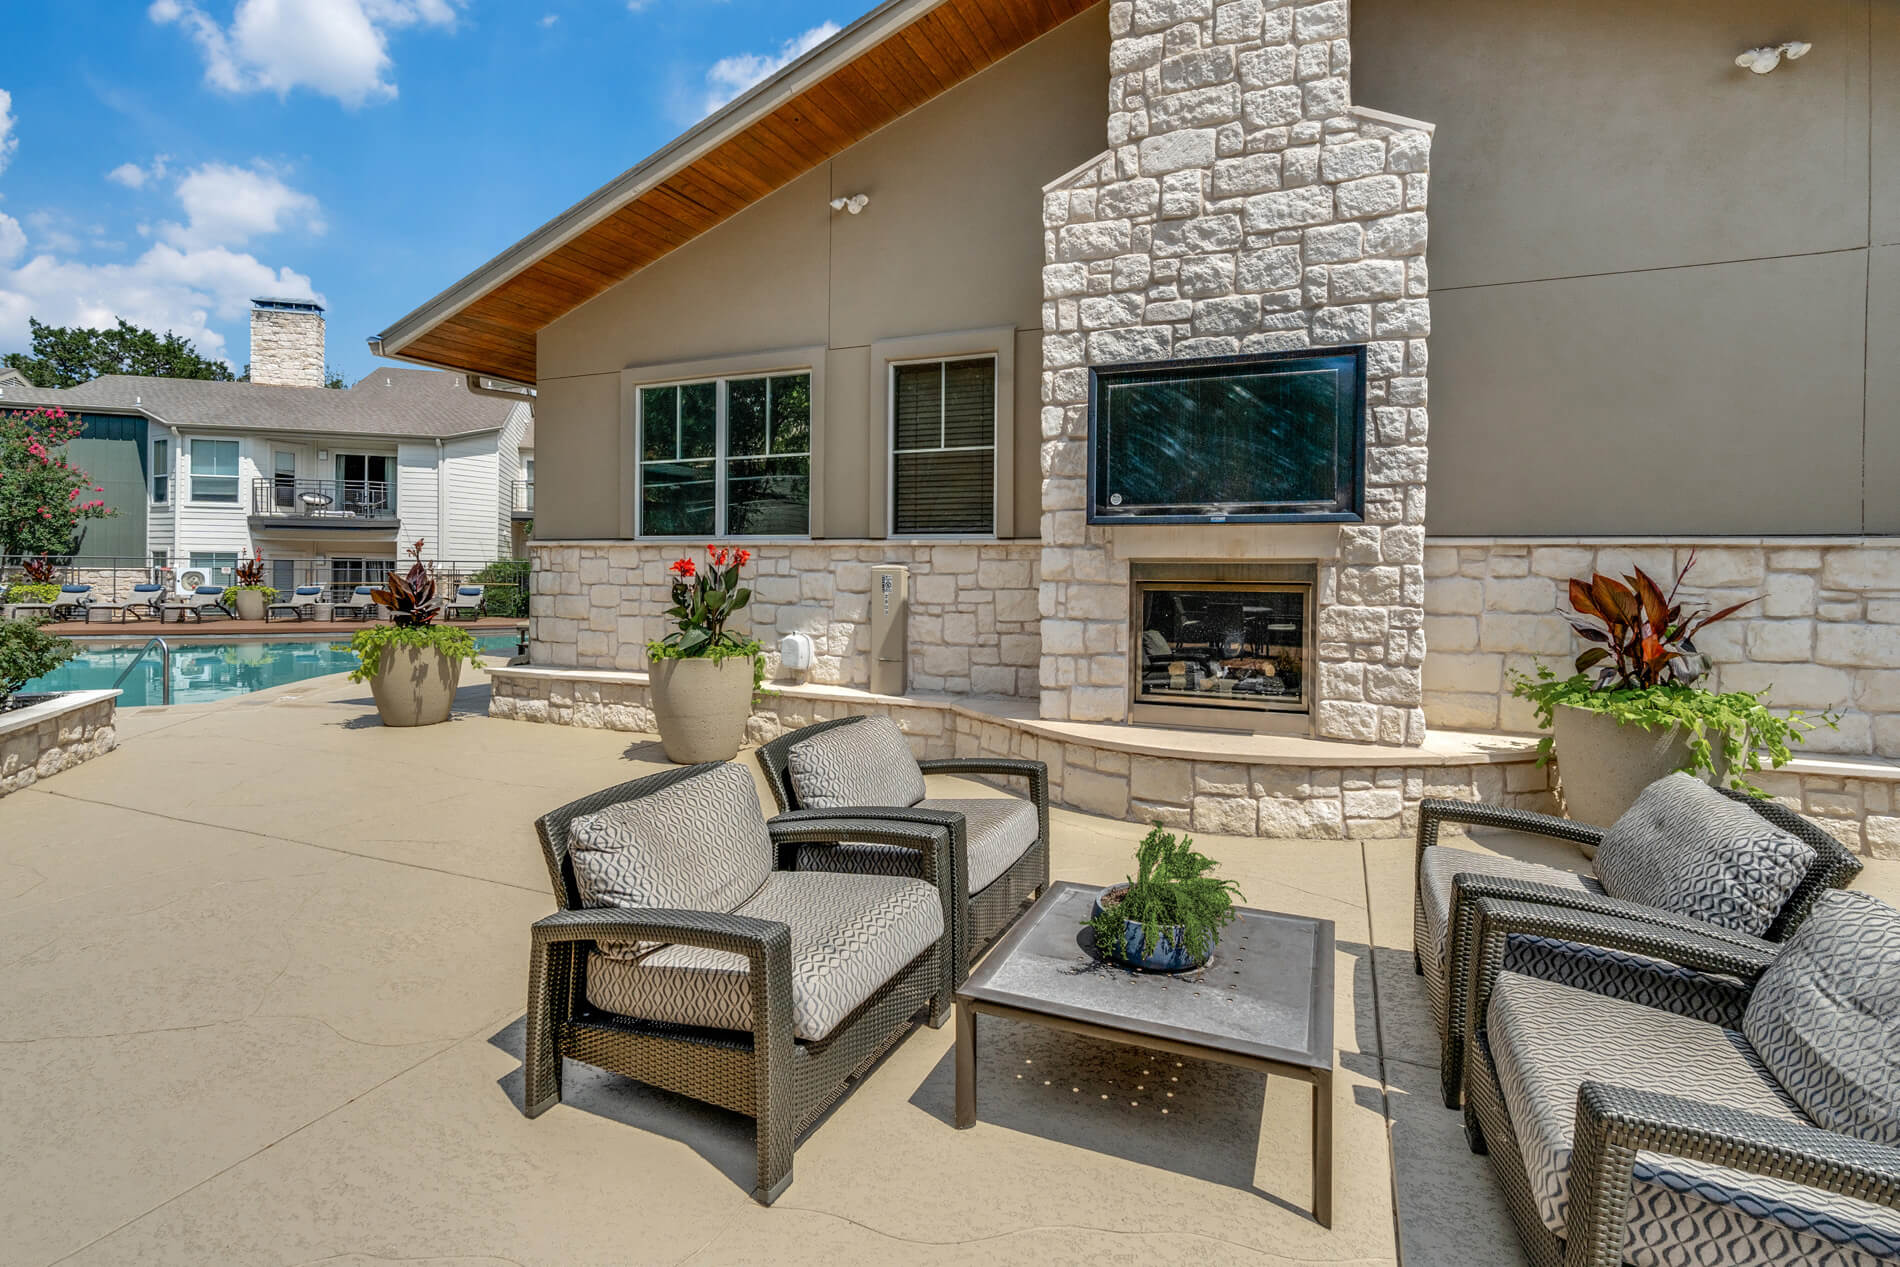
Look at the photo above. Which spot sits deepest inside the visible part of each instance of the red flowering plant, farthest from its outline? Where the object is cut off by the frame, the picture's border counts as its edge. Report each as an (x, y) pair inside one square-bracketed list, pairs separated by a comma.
[(45, 501), (705, 599)]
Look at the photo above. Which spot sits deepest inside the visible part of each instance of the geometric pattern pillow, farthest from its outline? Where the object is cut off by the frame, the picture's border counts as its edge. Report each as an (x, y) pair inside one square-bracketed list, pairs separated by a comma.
[(867, 763), (1687, 849), (1825, 1017), (698, 845)]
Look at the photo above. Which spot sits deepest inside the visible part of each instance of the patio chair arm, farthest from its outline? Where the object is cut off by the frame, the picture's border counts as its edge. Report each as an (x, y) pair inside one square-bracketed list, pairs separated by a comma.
[(1615, 1123), (712, 930), (933, 833), (1499, 921), (1434, 810), (1036, 772)]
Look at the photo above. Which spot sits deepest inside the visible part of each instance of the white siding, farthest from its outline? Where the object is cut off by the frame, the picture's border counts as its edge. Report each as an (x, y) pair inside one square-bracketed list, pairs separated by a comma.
[(216, 527), (417, 485), (471, 474)]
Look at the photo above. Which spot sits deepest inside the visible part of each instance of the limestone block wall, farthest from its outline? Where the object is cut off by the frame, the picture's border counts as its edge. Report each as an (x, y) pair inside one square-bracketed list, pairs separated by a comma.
[(1825, 633), (596, 604), (40, 741), (286, 348), (1245, 206)]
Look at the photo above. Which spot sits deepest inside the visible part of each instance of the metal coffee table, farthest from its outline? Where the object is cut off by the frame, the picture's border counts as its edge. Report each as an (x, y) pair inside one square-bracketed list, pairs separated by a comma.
[(1264, 1003)]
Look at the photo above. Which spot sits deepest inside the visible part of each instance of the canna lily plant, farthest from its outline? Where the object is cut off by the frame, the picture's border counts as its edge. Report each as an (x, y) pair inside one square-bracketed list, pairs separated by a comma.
[(412, 608), (704, 600), (1642, 637), (410, 599)]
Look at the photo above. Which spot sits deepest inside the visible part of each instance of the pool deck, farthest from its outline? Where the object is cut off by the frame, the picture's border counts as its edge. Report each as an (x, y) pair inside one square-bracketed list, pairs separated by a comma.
[(249, 630)]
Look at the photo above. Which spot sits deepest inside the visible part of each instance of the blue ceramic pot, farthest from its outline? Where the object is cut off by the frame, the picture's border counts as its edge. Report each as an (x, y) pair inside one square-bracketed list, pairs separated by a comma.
[(1170, 956)]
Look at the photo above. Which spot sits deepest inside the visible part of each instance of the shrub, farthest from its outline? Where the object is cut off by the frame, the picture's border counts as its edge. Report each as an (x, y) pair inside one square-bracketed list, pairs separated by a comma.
[(1173, 885), (28, 652), (30, 592), (508, 587)]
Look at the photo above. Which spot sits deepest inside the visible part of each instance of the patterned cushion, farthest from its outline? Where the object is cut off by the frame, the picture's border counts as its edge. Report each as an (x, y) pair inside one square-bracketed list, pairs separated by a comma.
[(1686, 848), (1442, 862), (868, 762), (699, 845), (850, 935), (997, 829), (1547, 1040), (1825, 1017)]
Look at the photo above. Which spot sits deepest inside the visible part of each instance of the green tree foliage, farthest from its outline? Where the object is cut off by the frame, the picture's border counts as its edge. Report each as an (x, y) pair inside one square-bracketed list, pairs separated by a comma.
[(45, 500), (28, 652), (66, 356)]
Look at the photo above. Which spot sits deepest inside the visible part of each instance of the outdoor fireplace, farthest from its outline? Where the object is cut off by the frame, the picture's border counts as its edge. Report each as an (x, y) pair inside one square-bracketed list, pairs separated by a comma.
[(1233, 637)]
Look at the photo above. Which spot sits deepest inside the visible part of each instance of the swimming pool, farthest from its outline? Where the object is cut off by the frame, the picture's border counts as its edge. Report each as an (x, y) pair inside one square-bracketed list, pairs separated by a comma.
[(206, 671)]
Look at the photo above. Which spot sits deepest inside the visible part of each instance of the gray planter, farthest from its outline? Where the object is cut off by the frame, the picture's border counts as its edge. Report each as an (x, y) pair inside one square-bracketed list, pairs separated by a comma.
[(249, 604), (1604, 765), (415, 686), (701, 707)]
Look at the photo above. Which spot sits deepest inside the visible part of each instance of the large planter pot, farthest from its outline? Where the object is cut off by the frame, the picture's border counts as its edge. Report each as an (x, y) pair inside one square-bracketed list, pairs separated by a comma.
[(415, 686), (1603, 765), (1170, 956), (249, 604), (701, 707)]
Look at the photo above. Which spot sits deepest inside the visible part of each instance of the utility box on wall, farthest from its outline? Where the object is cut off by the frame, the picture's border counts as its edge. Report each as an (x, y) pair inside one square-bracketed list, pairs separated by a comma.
[(890, 629)]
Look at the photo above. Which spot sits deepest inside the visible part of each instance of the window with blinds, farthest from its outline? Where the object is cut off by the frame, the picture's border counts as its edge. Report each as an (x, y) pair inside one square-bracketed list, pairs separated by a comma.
[(727, 457), (943, 463)]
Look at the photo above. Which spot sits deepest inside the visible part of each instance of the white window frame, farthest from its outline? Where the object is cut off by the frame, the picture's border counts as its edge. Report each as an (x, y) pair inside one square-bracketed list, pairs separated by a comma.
[(162, 470), (998, 344), (211, 569), (721, 372), (236, 477), (891, 450)]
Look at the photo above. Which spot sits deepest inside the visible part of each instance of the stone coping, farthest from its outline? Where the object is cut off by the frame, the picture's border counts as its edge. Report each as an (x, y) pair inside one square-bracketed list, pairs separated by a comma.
[(1606, 542), (692, 545), (68, 702)]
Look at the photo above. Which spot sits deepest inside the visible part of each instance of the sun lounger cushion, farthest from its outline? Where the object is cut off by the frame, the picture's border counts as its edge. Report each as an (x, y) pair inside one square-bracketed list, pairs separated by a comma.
[(1686, 848), (1548, 1039), (1825, 1017), (850, 935), (997, 829), (867, 763), (698, 845)]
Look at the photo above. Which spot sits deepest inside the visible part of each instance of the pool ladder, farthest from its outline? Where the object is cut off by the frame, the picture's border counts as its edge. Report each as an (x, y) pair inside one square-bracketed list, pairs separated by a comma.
[(164, 660)]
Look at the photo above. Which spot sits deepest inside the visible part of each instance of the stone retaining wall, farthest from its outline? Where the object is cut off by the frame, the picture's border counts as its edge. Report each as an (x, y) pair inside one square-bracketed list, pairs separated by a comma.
[(40, 741), (973, 625)]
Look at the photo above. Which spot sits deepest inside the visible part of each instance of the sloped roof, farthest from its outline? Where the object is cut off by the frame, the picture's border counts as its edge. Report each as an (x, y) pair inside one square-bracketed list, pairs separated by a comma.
[(881, 67), (393, 403)]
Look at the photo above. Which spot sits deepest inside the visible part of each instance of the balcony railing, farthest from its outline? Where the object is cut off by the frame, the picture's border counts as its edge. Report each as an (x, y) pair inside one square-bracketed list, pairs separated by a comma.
[(524, 497), (285, 498)]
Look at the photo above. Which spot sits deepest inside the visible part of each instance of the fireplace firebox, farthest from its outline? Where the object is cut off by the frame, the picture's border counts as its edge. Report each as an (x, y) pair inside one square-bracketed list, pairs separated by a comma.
[(1224, 644)]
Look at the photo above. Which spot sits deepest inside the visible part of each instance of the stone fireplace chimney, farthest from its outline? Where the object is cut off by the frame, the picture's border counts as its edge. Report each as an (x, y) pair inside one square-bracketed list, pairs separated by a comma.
[(287, 342)]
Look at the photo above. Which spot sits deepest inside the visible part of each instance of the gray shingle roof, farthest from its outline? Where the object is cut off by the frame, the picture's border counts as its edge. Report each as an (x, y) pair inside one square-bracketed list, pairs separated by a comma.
[(389, 402)]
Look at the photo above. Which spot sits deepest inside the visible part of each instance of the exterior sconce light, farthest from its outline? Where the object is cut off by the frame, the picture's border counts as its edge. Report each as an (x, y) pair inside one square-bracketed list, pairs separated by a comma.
[(854, 204), (1763, 60)]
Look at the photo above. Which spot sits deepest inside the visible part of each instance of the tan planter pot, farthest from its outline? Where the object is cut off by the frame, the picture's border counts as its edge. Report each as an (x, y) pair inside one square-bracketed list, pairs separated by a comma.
[(701, 707), (1604, 765), (415, 686), (249, 604)]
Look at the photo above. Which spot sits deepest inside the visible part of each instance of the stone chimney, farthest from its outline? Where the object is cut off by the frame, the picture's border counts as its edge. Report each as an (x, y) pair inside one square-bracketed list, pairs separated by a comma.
[(287, 342)]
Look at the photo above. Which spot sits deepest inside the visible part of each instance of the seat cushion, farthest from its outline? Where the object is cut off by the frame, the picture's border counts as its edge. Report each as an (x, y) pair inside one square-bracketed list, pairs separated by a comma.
[(1686, 848), (1441, 863), (698, 845), (850, 935), (865, 763), (997, 829), (1546, 1040), (1825, 1017)]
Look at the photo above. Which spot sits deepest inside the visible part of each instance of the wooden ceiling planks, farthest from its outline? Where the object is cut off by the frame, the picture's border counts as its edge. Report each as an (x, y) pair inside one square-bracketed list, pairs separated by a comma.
[(495, 333)]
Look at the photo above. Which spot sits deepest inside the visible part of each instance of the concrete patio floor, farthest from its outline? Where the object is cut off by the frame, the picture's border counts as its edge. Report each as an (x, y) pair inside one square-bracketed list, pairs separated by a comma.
[(265, 969)]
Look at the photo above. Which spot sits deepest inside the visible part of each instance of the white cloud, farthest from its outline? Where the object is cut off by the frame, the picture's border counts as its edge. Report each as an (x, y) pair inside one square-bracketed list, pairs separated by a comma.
[(339, 48), (549, 19), (12, 239), (228, 206), (8, 141), (131, 175), (731, 76)]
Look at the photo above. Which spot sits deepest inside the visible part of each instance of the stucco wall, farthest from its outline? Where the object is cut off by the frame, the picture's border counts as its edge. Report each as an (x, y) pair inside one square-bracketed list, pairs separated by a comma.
[(1666, 291), (951, 242)]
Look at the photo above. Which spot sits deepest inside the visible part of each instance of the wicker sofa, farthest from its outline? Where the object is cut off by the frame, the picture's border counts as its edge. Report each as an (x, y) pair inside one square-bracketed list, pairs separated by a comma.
[(749, 1004), (1000, 864), (1449, 881), (1645, 1097)]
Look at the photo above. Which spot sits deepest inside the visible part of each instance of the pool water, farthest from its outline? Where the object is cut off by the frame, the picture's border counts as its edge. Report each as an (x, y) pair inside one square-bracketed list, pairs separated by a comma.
[(206, 671)]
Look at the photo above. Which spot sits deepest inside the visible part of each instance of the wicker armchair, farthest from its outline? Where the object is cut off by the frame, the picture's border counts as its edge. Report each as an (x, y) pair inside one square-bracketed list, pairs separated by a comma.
[(983, 910), (1702, 1156), (1441, 931), (767, 1070)]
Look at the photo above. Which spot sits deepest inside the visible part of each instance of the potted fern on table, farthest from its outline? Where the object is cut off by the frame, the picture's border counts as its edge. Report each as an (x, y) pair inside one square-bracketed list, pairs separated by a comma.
[(412, 664), (1166, 917)]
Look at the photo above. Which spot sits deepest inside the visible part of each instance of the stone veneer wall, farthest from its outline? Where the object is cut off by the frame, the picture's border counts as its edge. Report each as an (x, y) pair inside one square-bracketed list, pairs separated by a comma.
[(286, 348), (596, 604), (56, 736), (1245, 206)]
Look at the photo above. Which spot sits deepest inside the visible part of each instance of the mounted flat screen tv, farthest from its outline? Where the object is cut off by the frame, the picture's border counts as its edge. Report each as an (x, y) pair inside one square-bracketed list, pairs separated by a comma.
[(1277, 437)]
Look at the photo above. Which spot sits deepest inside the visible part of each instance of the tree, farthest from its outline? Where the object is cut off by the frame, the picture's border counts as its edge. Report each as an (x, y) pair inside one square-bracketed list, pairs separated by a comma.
[(45, 500), (333, 377), (66, 356)]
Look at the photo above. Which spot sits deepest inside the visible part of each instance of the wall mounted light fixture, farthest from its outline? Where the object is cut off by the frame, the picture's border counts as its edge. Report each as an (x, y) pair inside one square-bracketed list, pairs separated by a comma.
[(1762, 60), (854, 204)]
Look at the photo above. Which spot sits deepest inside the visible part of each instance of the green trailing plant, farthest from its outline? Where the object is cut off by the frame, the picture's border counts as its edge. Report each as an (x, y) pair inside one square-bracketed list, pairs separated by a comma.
[(451, 642), (31, 592), (1173, 886), (1641, 667), (704, 600), (27, 652)]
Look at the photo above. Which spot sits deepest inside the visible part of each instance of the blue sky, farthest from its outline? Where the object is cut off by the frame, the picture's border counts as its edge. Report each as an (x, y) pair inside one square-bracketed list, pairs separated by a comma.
[(166, 161)]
